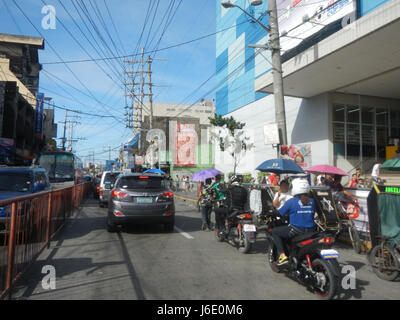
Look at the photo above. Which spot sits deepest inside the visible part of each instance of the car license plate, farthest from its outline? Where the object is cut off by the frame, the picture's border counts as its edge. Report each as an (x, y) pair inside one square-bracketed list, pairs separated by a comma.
[(330, 254), (144, 200), (249, 228)]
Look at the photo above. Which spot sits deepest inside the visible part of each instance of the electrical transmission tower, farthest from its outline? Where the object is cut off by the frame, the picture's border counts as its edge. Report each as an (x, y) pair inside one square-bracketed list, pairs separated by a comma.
[(72, 124), (136, 83)]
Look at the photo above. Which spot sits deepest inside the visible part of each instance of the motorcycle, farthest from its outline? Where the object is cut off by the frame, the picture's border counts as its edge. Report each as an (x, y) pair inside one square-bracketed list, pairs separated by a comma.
[(240, 230), (312, 261)]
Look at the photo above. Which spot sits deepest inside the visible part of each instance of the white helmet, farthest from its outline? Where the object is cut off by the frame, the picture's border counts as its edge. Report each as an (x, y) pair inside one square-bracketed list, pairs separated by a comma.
[(300, 186)]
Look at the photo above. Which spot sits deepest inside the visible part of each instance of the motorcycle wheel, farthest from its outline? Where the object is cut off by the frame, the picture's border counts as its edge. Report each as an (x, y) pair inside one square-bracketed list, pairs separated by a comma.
[(389, 260), (246, 246), (329, 288), (218, 237), (355, 238), (272, 258)]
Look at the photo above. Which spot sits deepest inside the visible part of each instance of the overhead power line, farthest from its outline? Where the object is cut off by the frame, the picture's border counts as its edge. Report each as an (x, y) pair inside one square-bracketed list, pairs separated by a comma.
[(146, 52)]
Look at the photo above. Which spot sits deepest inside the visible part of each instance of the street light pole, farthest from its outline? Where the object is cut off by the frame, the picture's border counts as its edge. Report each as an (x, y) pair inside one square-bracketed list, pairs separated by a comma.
[(274, 46)]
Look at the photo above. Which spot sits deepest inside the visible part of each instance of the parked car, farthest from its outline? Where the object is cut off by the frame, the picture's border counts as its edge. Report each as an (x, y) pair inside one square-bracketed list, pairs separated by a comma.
[(106, 184), (20, 181), (141, 198)]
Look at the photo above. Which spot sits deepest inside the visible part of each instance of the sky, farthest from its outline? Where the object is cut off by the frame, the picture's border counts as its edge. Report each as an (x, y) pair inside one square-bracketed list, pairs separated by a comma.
[(97, 87)]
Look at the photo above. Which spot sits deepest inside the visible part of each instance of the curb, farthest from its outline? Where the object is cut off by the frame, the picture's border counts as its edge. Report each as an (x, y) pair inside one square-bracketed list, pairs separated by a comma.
[(185, 199)]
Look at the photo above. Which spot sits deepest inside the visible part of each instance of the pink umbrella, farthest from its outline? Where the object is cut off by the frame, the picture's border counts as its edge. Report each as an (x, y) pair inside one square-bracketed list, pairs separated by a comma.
[(326, 169)]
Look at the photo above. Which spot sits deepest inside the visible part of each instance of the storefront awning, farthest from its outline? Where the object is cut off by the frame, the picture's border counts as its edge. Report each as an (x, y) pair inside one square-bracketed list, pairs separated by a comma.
[(362, 58)]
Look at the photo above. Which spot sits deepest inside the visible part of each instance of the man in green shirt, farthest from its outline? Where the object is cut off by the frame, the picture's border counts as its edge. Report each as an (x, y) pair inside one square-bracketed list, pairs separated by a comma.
[(216, 186), (219, 209)]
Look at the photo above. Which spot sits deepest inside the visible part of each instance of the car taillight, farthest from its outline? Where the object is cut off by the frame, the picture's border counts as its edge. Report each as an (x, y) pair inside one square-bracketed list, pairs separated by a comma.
[(118, 214), (168, 194), (101, 192), (143, 177), (119, 194), (168, 213)]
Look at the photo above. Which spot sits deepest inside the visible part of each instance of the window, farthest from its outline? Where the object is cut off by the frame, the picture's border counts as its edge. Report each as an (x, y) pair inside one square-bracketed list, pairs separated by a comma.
[(15, 182), (353, 114), (353, 140), (136, 182), (395, 123), (338, 113), (363, 131)]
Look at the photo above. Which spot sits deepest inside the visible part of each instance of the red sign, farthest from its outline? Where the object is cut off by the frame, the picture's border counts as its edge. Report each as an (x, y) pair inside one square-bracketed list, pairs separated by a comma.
[(185, 145)]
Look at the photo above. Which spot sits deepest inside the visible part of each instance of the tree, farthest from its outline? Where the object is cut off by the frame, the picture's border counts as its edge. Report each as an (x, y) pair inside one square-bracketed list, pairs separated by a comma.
[(230, 136)]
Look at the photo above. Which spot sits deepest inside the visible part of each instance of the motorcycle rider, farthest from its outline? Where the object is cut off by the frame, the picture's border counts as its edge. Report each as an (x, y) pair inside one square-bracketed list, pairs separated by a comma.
[(301, 210), (236, 198)]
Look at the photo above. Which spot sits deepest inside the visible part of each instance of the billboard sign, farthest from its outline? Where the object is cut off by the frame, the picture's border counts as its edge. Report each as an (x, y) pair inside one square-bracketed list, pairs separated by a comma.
[(271, 134), (301, 154), (292, 14), (139, 160), (185, 145), (39, 115)]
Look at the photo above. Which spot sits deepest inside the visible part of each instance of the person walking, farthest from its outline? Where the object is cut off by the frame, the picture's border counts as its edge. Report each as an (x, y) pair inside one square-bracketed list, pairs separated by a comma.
[(206, 201), (375, 173)]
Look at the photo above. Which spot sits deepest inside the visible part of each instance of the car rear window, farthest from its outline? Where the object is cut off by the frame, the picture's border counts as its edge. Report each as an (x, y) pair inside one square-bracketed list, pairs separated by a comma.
[(111, 177), (139, 182), (15, 182)]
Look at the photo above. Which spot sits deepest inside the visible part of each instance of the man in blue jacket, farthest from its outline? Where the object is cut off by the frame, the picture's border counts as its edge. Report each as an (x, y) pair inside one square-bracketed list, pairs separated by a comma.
[(301, 210)]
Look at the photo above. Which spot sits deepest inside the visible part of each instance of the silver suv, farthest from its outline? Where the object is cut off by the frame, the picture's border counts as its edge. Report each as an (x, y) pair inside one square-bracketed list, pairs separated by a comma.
[(141, 198), (107, 181)]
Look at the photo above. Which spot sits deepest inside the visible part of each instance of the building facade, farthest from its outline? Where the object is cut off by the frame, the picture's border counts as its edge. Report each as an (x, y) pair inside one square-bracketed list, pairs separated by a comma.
[(21, 135), (340, 74), (181, 133)]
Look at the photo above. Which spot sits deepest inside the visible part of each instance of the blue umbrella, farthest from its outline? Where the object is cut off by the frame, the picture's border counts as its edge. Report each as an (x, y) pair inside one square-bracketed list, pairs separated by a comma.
[(154, 171), (279, 166)]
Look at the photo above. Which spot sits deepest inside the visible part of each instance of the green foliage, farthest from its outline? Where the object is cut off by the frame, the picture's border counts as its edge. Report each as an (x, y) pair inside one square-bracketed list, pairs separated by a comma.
[(261, 175), (230, 123), (246, 177)]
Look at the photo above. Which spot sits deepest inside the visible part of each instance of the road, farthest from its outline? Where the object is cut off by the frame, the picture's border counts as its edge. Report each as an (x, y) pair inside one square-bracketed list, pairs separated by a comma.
[(145, 262)]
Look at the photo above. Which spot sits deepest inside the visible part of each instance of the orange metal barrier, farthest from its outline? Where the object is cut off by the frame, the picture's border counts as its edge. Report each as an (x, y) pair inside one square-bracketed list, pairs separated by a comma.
[(28, 227)]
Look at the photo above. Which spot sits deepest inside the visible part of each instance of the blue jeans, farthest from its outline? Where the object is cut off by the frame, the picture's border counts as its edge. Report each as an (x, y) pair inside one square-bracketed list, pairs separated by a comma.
[(206, 214)]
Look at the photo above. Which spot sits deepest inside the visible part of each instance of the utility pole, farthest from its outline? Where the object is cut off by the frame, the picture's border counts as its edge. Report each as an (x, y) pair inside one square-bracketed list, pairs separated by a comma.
[(134, 113), (109, 152), (150, 84), (274, 46), (65, 130), (279, 99)]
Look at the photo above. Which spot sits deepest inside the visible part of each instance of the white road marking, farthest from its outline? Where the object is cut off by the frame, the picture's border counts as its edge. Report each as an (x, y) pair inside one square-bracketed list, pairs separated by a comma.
[(186, 235)]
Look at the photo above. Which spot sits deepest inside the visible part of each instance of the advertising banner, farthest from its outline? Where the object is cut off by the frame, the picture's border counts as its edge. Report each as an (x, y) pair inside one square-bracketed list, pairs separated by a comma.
[(292, 13), (301, 154), (139, 160), (39, 115), (271, 134), (185, 145)]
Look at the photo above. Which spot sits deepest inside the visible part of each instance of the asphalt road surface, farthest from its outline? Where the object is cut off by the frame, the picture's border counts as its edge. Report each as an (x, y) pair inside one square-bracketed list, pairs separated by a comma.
[(145, 262)]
